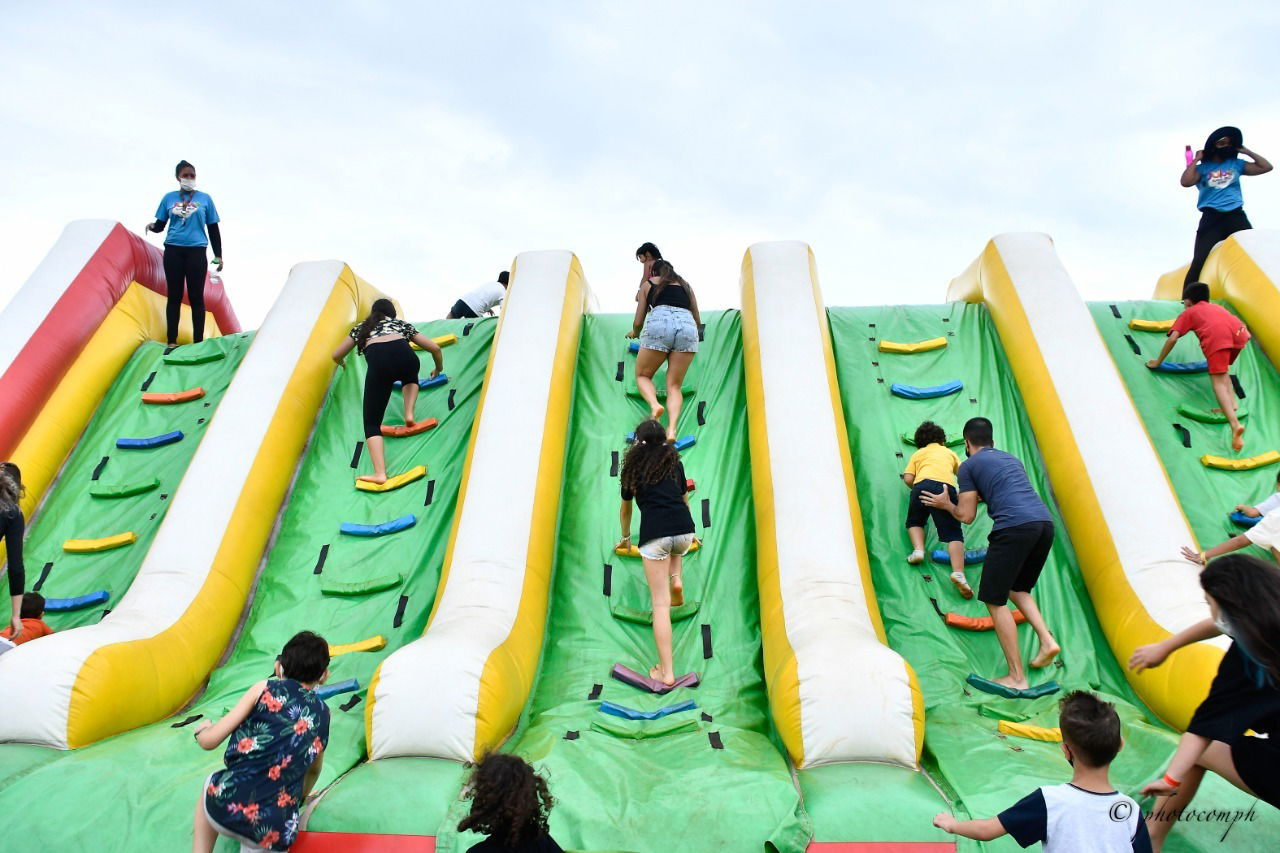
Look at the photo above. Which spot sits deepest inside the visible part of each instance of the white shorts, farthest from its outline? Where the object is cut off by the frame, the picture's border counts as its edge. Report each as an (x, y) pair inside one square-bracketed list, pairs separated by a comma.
[(664, 546)]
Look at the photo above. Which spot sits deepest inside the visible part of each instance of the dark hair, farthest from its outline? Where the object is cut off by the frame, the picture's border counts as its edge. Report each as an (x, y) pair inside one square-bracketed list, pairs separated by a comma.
[(929, 433), (510, 802), (32, 605), (648, 249), (650, 459), (305, 657), (382, 309), (504, 278), (1219, 155), (1247, 590), (978, 432), (182, 164), (667, 275), (1091, 727), (11, 490), (1196, 291)]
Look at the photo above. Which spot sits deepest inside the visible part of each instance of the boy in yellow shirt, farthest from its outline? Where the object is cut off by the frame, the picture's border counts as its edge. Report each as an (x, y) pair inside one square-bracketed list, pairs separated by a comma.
[(932, 469)]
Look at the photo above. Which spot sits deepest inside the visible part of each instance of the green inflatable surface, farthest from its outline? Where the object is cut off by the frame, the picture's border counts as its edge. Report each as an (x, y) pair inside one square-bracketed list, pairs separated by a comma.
[(138, 789), (982, 771)]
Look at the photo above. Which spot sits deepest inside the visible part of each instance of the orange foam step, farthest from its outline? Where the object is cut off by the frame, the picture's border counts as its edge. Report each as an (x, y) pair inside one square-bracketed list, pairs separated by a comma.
[(417, 429), (979, 623), (163, 399)]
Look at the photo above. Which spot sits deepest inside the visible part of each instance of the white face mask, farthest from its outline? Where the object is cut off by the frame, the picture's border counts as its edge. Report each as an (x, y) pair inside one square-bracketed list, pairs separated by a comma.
[(187, 184), (1223, 624)]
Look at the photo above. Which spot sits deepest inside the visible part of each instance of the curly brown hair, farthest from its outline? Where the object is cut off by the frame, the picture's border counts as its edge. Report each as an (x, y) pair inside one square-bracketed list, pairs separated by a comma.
[(510, 802), (650, 459)]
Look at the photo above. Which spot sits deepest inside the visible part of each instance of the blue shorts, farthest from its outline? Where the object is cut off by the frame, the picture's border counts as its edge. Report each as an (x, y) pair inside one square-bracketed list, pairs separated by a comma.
[(670, 329)]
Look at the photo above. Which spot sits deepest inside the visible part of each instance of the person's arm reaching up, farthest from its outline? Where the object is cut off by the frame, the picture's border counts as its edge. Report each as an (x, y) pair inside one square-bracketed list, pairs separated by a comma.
[(1191, 174), (433, 348), (1260, 165)]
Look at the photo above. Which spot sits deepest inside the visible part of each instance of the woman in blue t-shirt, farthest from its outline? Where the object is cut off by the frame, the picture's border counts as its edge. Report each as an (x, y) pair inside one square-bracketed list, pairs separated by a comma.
[(188, 213), (1216, 172)]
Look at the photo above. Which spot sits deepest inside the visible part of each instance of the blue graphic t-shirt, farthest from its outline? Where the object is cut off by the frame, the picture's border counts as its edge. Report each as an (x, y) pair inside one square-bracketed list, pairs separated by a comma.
[(188, 215), (1220, 185), (260, 792)]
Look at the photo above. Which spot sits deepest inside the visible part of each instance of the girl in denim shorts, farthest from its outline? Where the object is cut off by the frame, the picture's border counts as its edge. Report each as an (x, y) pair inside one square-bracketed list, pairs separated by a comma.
[(666, 323)]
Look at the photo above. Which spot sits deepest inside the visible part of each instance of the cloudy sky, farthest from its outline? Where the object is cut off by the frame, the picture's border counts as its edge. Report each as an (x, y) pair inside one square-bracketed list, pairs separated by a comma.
[(427, 143)]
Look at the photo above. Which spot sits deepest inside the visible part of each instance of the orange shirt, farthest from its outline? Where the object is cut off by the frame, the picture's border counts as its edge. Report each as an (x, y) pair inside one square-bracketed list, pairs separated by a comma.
[(32, 629)]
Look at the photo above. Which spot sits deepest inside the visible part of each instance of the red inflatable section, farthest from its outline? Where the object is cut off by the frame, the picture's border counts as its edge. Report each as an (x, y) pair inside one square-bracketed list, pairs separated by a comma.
[(348, 842), (120, 260)]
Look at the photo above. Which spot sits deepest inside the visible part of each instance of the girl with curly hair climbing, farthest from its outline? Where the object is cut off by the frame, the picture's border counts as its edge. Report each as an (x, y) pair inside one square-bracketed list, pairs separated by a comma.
[(653, 476), (510, 803)]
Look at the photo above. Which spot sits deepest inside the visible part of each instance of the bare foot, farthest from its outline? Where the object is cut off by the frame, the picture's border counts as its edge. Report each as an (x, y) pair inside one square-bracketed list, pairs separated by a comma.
[(1046, 656), (373, 478), (962, 585), (655, 672), (1011, 682), (657, 412), (1216, 410), (1237, 438), (410, 422), (671, 438), (677, 591)]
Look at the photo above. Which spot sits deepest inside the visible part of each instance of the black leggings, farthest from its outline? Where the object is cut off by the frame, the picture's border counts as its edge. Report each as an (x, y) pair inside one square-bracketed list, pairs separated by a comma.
[(388, 362), (11, 525), (185, 264), (1215, 226)]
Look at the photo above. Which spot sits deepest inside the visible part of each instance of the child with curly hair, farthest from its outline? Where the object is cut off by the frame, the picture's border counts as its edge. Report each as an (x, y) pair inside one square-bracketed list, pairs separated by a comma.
[(278, 731), (510, 803), (932, 468), (653, 476)]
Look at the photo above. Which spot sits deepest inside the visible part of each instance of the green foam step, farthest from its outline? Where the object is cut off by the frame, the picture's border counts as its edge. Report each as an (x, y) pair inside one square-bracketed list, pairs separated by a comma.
[(178, 357), (365, 587), (909, 440), (647, 730), (124, 490), (1205, 416), (645, 617)]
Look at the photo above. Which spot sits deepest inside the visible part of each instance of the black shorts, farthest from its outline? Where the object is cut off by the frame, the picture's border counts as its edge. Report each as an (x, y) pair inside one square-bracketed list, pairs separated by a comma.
[(1015, 557), (1256, 760), (944, 522), (461, 309)]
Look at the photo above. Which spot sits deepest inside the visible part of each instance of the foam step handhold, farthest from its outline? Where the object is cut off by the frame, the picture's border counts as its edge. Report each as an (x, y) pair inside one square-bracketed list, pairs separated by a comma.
[(1205, 416), (442, 341), (644, 732), (988, 686), (372, 644), (690, 485), (395, 525), (913, 392), (633, 347), (653, 685), (153, 441), (93, 546), (1242, 520), (686, 442), (978, 623), (910, 440), (325, 691), (63, 605), (1262, 459), (909, 349), (365, 587), (416, 473), (632, 714), (123, 490), (163, 399), (1183, 367), (634, 551), (645, 617), (182, 356), (432, 382), (1030, 732), (971, 558), (1140, 325), (403, 431)]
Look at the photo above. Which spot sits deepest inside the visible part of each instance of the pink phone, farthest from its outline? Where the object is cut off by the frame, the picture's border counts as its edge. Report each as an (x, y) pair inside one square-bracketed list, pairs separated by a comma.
[(1190, 155)]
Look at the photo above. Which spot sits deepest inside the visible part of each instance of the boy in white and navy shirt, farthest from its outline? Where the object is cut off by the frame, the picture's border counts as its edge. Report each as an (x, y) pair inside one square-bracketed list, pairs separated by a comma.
[(1086, 815)]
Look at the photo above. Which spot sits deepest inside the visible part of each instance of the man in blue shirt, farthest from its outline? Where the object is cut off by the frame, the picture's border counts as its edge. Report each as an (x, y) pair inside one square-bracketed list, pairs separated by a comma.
[(1017, 547)]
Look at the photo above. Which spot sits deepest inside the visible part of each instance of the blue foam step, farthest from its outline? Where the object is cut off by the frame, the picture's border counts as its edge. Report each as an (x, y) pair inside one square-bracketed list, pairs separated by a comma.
[(154, 441), (913, 392), (632, 714), (987, 686), (686, 442), (1243, 520), (1183, 367), (393, 526), (424, 384), (62, 605), (971, 558), (633, 347), (324, 691)]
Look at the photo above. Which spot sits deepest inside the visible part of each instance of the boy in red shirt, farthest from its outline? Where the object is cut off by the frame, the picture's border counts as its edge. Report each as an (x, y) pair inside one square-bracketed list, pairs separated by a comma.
[(1222, 336), (33, 626)]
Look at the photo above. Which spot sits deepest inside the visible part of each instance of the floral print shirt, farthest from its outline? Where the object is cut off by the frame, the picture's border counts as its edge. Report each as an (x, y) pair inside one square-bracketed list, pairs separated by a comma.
[(260, 792)]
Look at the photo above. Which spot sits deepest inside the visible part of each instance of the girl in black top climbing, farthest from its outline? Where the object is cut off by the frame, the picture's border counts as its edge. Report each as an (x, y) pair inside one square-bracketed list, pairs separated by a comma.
[(1215, 171), (384, 342), (12, 525), (510, 803), (668, 334), (189, 213), (1244, 599), (653, 476)]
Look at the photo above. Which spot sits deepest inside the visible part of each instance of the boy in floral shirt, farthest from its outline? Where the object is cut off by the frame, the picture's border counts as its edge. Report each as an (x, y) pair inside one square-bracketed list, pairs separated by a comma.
[(278, 731)]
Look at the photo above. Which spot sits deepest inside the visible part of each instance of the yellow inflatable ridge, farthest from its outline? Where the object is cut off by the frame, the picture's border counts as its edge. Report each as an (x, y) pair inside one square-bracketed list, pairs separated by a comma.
[(395, 482), (106, 543), (1268, 458), (907, 349)]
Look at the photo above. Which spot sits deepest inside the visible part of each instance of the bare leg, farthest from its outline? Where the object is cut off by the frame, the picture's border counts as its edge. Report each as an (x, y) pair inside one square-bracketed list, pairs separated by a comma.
[(410, 392), (203, 837), (647, 363), (1007, 634), (1217, 757), (677, 582), (955, 550), (916, 535), (677, 366), (658, 574), (1049, 647), (378, 455), (1227, 402)]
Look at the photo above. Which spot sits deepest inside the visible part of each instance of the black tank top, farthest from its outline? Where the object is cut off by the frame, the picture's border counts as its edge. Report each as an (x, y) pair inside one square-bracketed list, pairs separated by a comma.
[(671, 294)]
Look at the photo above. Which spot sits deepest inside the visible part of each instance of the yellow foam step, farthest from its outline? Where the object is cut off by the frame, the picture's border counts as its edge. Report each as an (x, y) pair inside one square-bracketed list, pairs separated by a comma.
[(1150, 325), (633, 551), (373, 644), (1030, 732), (1269, 458), (106, 543), (442, 341), (907, 349), (395, 482)]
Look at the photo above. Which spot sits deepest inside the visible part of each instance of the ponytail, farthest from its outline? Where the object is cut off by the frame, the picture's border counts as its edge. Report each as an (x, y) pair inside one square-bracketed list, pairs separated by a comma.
[(382, 309), (11, 490)]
